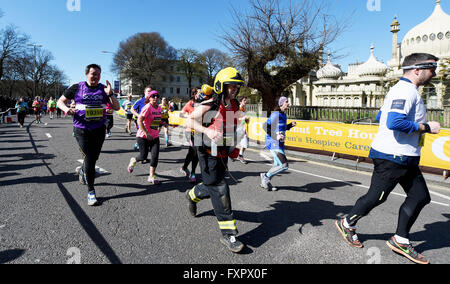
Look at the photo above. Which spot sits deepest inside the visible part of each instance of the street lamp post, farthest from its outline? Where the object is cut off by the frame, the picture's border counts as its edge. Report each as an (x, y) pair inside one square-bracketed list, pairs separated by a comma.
[(34, 66)]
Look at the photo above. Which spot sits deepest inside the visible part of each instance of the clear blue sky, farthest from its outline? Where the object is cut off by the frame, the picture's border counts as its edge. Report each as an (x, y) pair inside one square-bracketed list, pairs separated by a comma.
[(76, 39)]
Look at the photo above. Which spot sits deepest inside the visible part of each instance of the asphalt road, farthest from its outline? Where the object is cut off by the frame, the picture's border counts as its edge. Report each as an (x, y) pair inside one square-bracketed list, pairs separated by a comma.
[(44, 216)]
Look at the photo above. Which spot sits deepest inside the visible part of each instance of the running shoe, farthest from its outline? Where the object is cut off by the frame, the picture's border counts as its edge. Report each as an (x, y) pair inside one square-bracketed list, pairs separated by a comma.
[(232, 243), (136, 147), (92, 199), (349, 235), (265, 181), (407, 250), (131, 165), (192, 179), (191, 204), (185, 172), (81, 176), (242, 160), (153, 180)]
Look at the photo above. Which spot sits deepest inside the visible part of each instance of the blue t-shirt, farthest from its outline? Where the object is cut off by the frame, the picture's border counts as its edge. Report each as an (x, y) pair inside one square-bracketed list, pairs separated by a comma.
[(139, 105), (278, 124)]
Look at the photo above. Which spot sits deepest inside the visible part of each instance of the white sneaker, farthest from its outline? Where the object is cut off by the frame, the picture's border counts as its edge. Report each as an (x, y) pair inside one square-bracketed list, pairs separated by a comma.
[(265, 181), (92, 199)]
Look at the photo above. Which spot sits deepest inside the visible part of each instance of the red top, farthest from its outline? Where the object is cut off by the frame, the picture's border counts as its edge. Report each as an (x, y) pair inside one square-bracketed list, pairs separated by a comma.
[(189, 107)]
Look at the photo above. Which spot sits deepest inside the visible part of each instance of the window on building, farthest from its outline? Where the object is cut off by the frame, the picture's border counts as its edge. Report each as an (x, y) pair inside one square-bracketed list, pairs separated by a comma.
[(171, 90), (429, 97), (446, 97), (348, 102), (178, 79), (178, 91)]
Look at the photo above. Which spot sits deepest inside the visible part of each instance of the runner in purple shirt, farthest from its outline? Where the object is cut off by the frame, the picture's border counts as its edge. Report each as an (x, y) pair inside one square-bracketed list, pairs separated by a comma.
[(89, 117)]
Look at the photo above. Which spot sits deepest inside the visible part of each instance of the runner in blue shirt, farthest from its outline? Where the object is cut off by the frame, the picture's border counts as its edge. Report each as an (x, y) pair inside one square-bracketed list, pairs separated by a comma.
[(137, 108), (276, 127)]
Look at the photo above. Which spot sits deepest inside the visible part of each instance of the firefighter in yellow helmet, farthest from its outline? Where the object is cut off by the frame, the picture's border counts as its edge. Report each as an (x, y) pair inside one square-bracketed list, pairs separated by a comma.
[(215, 121)]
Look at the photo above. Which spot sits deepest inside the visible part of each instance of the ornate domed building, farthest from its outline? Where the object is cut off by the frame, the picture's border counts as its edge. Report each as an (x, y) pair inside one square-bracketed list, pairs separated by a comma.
[(366, 84)]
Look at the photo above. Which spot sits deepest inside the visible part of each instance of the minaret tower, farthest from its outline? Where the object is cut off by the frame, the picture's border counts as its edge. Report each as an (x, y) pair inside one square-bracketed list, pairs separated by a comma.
[(395, 28)]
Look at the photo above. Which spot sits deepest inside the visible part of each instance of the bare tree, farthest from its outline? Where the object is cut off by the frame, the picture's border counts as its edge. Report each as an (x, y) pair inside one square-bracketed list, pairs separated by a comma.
[(141, 56), (214, 60), (12, 43), (191, 63), (278, 42), (43, 76)]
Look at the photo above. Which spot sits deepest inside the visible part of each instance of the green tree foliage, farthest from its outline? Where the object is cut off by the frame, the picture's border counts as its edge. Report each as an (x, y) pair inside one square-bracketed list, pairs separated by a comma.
[(141, 57)]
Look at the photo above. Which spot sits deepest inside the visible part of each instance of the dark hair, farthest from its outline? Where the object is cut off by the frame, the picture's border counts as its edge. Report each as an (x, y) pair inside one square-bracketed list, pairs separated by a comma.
[(416, 58), (243, 98), (147, 87), (194, 92), (95, 66)]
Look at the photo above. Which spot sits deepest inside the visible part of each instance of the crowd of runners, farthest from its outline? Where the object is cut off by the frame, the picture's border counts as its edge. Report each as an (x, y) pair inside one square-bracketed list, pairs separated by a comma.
[(216, 130)]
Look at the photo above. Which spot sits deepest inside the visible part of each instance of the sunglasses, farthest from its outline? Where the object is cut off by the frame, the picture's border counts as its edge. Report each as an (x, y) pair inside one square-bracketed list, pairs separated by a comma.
[(155, 96)]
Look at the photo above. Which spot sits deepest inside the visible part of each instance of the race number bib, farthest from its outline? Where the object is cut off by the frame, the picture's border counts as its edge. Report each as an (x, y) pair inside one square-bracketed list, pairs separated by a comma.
[(94, 113), (156, 123)]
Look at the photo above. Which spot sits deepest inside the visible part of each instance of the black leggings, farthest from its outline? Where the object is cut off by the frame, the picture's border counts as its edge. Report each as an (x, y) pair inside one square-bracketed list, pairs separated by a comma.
[(90, 143), (21, 117), (110, 119), (146, 146), (386, 176), (192, 154)]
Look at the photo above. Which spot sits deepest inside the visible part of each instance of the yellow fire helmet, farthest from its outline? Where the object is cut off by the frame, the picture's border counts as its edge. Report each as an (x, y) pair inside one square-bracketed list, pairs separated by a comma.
[(207, 90), (225, 76)]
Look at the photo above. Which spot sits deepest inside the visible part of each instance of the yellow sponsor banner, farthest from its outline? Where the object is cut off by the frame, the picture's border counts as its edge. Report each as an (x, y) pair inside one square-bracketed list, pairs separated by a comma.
[(350, 139), (325, 136), (436, 152), (175, 119)]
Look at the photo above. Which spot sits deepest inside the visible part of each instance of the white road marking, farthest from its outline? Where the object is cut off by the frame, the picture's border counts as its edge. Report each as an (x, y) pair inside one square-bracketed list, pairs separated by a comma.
[(268, 158), (48, 135), (97, 169), (265, 156)]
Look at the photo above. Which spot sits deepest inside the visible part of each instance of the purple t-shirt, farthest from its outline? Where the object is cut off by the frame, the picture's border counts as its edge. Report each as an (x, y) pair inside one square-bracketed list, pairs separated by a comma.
[(90, 105)]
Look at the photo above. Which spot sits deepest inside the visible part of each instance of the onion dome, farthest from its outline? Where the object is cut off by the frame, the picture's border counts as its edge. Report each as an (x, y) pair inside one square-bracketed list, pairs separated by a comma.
[(431, 36), (372, 67), (329, 71)]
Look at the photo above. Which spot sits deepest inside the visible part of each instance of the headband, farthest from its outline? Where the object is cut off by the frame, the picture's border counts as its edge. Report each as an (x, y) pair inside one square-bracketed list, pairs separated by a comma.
[(426, 65)]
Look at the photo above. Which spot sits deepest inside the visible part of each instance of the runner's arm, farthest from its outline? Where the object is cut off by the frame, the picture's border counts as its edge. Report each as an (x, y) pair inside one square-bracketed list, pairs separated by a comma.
[(68, 95), (194, 122)]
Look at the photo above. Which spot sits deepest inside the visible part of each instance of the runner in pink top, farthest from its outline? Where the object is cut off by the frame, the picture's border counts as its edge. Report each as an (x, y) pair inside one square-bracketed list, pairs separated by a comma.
[(152, 121), (147, 137)]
